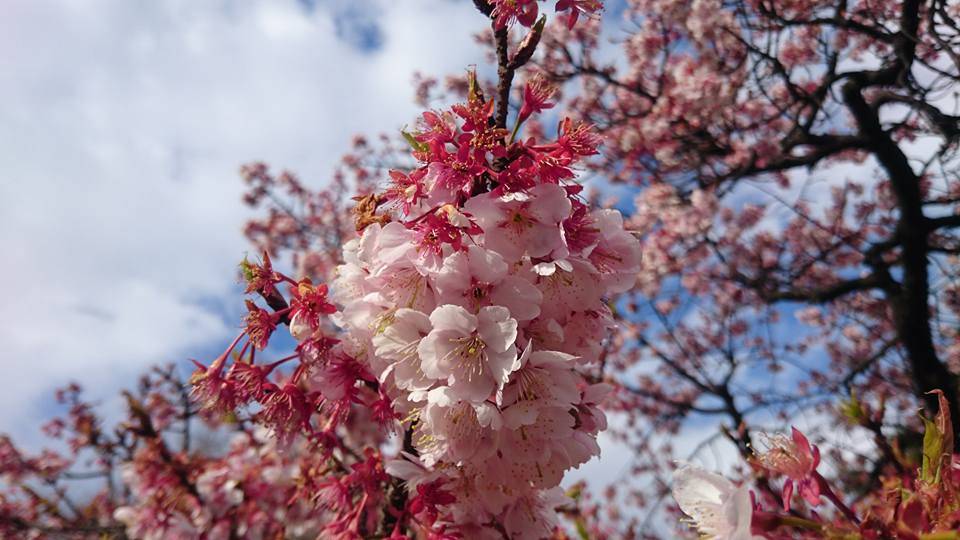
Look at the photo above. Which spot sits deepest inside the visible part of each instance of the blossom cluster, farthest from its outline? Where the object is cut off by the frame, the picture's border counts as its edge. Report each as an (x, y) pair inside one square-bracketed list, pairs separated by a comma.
[(507, 12), (160, 471), (247, 492), (470, 315), (477, 305)]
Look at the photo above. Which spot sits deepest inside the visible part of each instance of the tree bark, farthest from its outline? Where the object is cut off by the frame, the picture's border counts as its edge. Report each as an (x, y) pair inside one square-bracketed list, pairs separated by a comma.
[(910, 301)]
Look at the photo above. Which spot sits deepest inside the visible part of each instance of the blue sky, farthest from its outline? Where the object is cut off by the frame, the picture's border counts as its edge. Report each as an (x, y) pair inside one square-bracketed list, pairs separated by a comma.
[(123, 126)]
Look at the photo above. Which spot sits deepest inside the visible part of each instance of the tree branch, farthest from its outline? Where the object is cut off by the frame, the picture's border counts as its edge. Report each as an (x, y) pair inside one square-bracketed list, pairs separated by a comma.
[(910, 305)]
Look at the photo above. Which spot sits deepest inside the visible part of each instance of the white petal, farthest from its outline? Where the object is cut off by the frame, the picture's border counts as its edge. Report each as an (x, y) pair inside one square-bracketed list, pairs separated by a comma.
[(518, 295), (552, 358), (496, 328), (701, 495), (488, 415), (485, 265), (455, 318), (442, 396), (433, 351), (523, 413), (551, 204)]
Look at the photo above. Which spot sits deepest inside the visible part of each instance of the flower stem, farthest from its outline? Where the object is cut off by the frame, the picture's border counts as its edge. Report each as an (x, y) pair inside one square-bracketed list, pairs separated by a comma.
[(271, 366), (800, 523), (217, 364), (516, 129), (833, 498)]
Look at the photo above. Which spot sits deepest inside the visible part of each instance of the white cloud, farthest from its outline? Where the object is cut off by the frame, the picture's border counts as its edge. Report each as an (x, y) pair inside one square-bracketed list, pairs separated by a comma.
[(123, 127)]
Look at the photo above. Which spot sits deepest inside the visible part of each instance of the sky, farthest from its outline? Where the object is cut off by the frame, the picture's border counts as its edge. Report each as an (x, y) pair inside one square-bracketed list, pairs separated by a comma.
[(123, 125), (123, 128)]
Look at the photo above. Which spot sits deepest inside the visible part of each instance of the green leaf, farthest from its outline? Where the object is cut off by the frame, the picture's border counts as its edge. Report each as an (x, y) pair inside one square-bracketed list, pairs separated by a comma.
[(247, 269), (582, 529), (474, 92), (414, 143), (932, 450), (937, 441), (853, 410)]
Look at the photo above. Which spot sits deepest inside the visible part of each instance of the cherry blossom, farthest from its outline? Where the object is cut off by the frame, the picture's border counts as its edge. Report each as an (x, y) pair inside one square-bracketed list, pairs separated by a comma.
[(473, 353), (796, 459), (719, 509)]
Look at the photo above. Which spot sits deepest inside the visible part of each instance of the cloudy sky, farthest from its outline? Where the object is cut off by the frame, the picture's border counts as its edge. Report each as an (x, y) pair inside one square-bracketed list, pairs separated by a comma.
[(123, 125), (122, 128)]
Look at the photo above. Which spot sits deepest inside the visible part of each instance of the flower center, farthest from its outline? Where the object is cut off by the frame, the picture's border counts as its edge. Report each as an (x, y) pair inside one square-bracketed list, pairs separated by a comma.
[(531, 383), (470, 350)]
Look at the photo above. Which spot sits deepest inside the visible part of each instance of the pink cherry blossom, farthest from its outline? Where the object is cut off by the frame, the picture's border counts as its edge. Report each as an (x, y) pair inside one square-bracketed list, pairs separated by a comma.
[(797, 459), (473, 353), (479, 277), (399, 342), (519, 224)]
